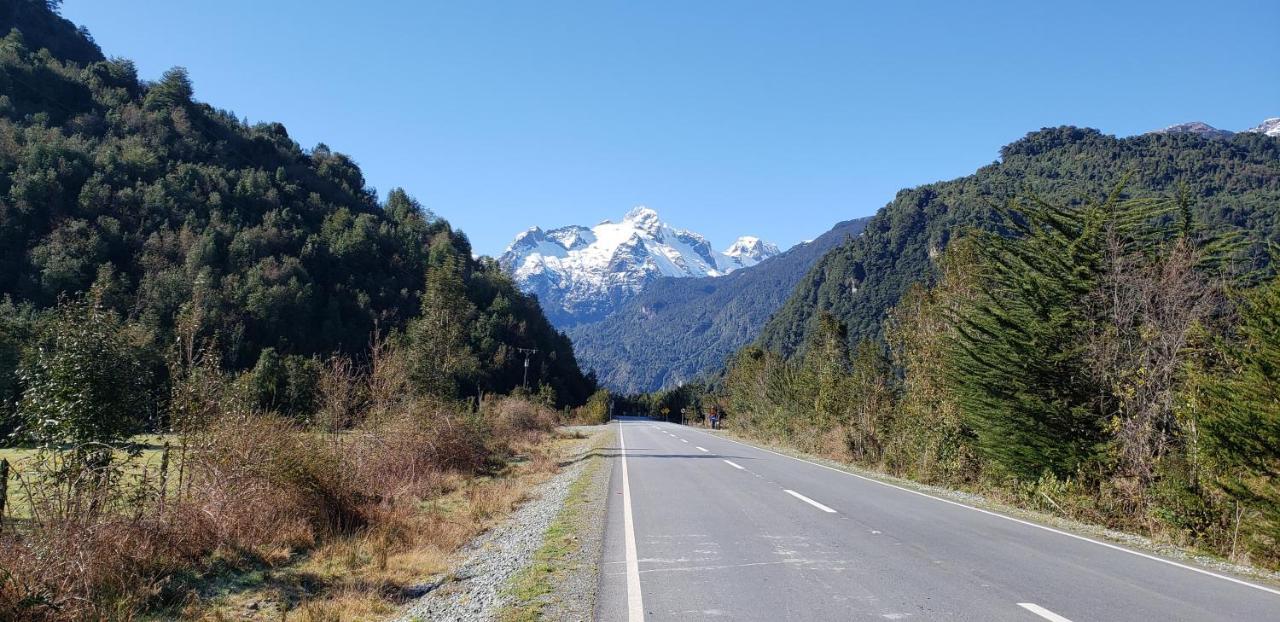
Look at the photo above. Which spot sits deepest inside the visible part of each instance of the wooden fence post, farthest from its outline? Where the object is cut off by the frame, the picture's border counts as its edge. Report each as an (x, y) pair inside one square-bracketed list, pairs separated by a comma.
[(164, 474), (4, 487)]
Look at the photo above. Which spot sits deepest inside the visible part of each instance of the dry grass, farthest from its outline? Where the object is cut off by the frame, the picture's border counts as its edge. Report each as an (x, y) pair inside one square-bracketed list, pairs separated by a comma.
[(268, 518)]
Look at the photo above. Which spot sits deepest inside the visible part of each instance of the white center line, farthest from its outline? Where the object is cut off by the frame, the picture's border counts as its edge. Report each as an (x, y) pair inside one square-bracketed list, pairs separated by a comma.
[(635, 604), (1042, 612), (1068, 534), (683, 440), (700, 448), (810, 501), (734, 465)]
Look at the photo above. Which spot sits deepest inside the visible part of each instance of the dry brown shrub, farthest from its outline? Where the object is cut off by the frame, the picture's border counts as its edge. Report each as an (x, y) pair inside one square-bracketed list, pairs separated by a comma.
[(96, 564), (514, 418), (263, 484)]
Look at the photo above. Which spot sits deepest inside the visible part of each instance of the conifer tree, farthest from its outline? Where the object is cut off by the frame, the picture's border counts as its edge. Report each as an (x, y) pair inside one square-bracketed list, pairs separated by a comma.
[(443, 360), (1019, 358), (1242, 422)]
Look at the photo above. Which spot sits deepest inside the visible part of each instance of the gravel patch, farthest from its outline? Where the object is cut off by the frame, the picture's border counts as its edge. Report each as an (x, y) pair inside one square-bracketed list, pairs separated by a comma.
[(474, 590), (574, 592)]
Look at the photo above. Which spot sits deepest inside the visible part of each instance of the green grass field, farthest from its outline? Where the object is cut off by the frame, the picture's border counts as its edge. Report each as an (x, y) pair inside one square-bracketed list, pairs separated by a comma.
[(23, 470)]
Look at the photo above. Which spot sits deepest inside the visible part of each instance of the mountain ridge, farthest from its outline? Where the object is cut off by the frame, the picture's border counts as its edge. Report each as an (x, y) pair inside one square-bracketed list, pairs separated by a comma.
[(583, 273), (1233, 182), (679, 328)]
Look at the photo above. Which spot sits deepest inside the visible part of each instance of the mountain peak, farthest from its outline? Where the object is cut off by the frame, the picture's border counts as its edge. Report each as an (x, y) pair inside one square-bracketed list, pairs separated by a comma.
[(1269, 127), (581, 273), (1195, 127)]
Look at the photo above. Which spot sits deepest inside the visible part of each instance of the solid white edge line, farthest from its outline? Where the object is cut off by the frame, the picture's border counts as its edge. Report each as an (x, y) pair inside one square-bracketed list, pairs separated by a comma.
[(635, 603), (1016, 520), (1042, 612), (810, 501), (734, 465), (700, 448)]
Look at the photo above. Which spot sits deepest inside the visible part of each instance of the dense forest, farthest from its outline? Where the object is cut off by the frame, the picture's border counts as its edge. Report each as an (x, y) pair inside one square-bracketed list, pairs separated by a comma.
[(1232, 182), (1113, 360), (221, 355), (679, 328), (189, 223)]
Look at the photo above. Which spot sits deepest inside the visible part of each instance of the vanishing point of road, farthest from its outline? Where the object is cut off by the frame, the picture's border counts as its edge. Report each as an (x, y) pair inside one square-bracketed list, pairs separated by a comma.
[(703, 527)]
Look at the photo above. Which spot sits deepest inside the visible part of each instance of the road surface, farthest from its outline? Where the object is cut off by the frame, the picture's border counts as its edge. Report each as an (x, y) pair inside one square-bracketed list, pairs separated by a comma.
[(722, 530)]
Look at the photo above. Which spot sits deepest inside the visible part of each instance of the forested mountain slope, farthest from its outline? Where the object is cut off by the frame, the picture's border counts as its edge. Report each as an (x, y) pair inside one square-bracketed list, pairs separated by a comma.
[(677, 328), (178, 212), (1232, 182)]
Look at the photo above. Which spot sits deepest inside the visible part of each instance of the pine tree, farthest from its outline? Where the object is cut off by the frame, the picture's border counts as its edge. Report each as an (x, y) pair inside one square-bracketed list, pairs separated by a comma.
[(442, 358), (1019, 360), (1242, 422)]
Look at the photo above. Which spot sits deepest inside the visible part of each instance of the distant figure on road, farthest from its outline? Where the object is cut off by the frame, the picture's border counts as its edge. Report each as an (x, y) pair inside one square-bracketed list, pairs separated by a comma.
[(715, 419)]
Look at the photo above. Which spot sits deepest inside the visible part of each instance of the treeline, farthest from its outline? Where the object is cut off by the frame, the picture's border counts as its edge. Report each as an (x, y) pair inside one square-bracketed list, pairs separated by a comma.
[(319, 365), (1234, 183), (677, 329), (193, 227), (1113, 361)]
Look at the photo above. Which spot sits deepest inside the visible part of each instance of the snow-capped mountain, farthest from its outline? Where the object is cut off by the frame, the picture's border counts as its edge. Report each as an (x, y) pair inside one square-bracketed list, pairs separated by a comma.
[(1195, 127), (582, 273), (1270, 127)]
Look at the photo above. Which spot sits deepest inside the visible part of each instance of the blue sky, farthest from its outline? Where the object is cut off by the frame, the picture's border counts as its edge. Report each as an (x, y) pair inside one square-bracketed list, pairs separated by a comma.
[(730, 117)]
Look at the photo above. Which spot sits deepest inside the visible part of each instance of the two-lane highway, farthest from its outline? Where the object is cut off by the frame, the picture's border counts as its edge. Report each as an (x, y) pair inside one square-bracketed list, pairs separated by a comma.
[(700, 526)]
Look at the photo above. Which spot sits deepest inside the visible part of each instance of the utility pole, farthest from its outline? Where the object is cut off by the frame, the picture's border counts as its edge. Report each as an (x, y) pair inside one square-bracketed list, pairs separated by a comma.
[(527, 352)]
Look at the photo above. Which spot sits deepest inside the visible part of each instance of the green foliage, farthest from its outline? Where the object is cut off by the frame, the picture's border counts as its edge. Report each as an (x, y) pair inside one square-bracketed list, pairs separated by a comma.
[(677, 329), (1230, 184), (285, 384), (87, 378), (1242, 421), (442, 359), (596, 410), (183, 215), (173, 90), (1019, 360)]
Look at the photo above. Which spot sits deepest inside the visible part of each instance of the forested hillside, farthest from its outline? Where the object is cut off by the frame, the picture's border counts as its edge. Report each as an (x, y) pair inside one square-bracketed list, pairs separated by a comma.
[(222, 357), (185, 219), (1230, 183), (678, 328)]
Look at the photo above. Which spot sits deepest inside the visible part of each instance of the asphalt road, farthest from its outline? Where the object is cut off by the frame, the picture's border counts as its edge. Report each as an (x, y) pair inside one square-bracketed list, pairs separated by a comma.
[(723, 530)]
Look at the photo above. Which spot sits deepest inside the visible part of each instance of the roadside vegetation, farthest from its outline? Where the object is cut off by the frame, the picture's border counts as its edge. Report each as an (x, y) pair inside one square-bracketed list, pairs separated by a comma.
[(1112, 363), (234, 381), (240, 511)]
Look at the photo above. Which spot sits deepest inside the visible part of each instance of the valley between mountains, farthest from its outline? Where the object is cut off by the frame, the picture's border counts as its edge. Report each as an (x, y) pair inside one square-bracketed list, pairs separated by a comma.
[(240, 382)]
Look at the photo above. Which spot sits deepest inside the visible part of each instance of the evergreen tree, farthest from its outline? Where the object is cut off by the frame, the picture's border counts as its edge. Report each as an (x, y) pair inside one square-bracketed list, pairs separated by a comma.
[(443, 361), (1019, 363), (1242, 422), (173, 89)]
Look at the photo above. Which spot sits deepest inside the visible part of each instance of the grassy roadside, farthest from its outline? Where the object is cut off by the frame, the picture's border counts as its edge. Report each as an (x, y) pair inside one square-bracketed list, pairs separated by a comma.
[(985, 501), (532, 590), (370, 575)]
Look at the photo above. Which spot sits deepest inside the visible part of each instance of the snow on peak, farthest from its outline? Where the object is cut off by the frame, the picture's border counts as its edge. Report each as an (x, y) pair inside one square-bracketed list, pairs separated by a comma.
[(580, 273), (1195, 127), (747, 250), (1269, 127)]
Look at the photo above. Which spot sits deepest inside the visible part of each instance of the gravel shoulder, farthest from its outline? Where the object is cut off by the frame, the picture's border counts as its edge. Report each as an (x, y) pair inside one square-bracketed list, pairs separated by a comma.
[(542, 562)]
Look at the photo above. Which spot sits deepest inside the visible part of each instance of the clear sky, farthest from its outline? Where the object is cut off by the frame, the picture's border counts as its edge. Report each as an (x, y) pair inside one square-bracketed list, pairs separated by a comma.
[(729, 117)]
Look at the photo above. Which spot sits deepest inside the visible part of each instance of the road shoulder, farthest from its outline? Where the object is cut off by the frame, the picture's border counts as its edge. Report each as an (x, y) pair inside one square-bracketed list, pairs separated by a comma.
[(561, 582)]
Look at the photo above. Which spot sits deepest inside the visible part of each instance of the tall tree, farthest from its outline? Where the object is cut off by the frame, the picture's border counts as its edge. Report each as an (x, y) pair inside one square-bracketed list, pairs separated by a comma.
[(443, 360), (1242, 422)]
